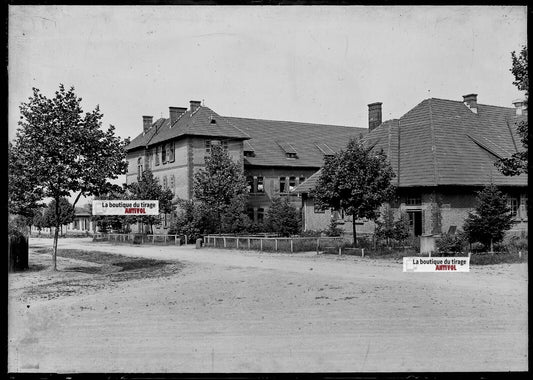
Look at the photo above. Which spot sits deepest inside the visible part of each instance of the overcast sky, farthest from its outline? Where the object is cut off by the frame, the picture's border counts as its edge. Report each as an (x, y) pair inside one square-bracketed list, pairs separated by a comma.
[(312, 64)]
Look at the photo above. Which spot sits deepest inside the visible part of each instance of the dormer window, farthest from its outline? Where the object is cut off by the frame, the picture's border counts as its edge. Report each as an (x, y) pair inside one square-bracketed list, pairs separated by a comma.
[(325, 149), (289, 150), (213, 120), (248, 149)]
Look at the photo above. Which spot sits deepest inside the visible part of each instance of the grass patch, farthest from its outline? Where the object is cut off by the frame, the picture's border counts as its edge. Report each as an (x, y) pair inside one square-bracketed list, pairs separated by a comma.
[(497, 258)]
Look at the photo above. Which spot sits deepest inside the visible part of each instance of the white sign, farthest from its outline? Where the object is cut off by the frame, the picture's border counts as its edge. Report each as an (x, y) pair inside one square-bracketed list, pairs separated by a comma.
[(125, 207), (436, 264)]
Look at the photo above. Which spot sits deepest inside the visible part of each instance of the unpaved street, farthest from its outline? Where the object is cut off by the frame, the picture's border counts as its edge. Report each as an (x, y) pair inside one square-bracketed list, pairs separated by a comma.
[(228, 311)]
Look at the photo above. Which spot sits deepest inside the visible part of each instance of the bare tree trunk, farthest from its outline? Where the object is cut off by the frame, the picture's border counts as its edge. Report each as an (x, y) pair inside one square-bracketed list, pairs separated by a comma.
[(354, 232), (56, 234)]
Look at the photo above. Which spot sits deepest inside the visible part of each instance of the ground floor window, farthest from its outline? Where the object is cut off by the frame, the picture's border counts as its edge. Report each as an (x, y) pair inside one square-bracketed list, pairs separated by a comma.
[(415, 222)]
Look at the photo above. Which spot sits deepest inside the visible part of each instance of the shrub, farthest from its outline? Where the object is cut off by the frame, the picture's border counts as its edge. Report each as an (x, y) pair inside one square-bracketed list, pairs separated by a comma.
[(450, 244), (477, 247), (333, 230)]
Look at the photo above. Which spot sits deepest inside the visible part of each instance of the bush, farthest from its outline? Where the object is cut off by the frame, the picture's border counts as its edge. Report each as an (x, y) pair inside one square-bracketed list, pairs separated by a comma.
[(333, 230), (477, 247), (450, 244)]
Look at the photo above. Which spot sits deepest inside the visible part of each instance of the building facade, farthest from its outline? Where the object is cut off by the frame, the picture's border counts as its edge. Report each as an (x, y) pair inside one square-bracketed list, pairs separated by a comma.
[(277, 156), (442, 152)]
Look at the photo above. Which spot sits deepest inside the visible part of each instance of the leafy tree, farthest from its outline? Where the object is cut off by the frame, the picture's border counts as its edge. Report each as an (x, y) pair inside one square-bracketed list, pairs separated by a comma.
[(518, 162), (490, 219), (148, 188), (38, 221), (58, 150), (113, 222), (235, 219), (221, 184), (58, 216), (192, 220), (357, 181), (282, 217)]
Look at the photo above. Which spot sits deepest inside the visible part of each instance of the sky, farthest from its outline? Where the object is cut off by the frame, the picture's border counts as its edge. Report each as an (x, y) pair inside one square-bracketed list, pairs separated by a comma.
[(318, 64)]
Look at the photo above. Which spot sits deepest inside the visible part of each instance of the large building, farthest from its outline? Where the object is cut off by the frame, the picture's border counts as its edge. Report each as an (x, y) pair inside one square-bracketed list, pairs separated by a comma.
[(277, 156), (442, 152)]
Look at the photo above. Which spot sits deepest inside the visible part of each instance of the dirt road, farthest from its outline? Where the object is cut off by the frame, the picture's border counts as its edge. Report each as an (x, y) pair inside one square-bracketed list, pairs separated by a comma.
[(229, 311)]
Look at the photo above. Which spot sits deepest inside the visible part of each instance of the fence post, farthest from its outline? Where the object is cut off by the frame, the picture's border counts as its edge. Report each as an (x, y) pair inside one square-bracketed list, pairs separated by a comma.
[(292, 249), (165, 238), (175, 240), (340, 251), (185, 239), (317, 245), (248, 243), (276, 243), (261, 243), (237, 240), (153, 239), (362, 252), (224, 239)]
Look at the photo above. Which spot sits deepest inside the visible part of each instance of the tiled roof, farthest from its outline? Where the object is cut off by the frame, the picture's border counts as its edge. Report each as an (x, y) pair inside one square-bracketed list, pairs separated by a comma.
[(309, 184), (442, 142), (202, 122), (271, 140)]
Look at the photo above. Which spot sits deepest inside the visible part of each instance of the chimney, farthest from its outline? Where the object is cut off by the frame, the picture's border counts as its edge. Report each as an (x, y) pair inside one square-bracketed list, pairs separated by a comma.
[(195, 104), (175, 113), (147, 123), (521, 108), (470, 101), (374, 115)]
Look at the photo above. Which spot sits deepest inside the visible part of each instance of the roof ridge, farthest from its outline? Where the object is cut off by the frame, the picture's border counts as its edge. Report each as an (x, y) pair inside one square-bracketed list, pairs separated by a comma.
[(293, 122)]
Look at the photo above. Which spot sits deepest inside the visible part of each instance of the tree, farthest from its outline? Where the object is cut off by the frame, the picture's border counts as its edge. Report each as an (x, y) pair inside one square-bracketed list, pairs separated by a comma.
[(38, 221), (518, 162), (148, 188), (64, 216), (356, 180), (235, 219), (282, 218), (221, 184), (193, 220), (490, 219), (58, 151), (112, 222)]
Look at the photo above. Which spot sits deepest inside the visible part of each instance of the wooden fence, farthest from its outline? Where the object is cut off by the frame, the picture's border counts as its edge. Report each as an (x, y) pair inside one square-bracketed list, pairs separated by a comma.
[(291, 244), (142, 238)]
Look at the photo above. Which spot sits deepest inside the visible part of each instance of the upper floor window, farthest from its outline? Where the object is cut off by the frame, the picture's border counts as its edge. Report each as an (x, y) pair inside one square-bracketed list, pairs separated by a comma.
[(164, 152), (171, 152), (250, 184), (260, 185), (301, 180), (148, 158), (292, 183), (282, 184), (157, 150), (139, 168), (209, 144)]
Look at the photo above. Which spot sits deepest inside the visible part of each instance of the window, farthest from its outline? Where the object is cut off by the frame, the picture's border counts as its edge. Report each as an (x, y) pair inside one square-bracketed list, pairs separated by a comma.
[(282, 185), (513, 205), (413, 201), (171, 152), (292, 183), (139, 168), (172, 184), (210, 143), (260, 186), (260, 215), (164, 151), (149, 159), (157, 149), (301, 180), (250, 184)]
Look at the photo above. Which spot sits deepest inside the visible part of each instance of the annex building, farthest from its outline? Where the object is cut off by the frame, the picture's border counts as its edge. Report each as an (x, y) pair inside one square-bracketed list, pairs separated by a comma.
[(442, 152)]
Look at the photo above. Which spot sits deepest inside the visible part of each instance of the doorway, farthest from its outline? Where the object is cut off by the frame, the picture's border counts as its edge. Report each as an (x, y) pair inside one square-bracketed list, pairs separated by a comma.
[(415, 222)]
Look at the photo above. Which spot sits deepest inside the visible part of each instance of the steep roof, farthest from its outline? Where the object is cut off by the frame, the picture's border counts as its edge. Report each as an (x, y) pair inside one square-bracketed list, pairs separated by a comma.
[(201, 122), (309, 184), (442, 142), (272, 140)]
